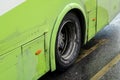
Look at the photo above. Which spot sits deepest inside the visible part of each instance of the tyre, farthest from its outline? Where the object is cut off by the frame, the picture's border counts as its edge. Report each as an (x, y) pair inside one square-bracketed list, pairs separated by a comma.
[(68, 42)]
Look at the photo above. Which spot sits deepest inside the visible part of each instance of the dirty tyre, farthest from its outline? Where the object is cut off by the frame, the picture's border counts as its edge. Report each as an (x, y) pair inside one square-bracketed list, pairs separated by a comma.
[(68, 42)]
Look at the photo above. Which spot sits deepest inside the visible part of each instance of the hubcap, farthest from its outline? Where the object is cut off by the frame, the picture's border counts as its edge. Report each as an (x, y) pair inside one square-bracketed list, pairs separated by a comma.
[(66, 39)]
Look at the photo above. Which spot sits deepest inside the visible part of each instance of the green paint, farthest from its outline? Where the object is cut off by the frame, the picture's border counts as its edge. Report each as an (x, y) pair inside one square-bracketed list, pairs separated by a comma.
[(33, 25), (106, 11)]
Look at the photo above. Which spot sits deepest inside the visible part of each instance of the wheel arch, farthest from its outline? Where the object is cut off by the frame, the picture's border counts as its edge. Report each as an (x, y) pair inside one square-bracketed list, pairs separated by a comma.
[(81, 18), (80, 12)]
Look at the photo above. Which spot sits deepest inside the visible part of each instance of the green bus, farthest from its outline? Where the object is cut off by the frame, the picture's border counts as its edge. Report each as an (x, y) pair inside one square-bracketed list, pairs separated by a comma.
[(37, 36)]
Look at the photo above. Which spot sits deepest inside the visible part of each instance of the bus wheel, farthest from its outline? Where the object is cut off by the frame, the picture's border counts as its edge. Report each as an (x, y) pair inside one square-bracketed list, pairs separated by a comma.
[(68, 42)]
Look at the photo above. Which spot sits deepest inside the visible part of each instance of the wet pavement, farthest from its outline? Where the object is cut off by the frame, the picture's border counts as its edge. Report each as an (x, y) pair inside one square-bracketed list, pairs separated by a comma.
[(99, 61)]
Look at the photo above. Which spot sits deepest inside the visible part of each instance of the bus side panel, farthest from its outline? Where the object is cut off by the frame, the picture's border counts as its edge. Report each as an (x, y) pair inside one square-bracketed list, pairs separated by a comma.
[(11, 65), (34, 59), (91, 13), (106, 11)]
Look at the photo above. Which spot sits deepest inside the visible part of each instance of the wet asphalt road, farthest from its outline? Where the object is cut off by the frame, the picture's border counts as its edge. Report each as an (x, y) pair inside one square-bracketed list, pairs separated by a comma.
[(103, 54)]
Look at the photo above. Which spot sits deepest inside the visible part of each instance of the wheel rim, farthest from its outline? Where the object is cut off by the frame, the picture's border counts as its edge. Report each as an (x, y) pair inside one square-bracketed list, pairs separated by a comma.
[(67, 39)]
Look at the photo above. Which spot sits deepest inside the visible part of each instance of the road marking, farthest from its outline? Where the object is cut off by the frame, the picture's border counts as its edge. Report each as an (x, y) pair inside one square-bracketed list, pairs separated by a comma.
[(87, 52), (105, 69)]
